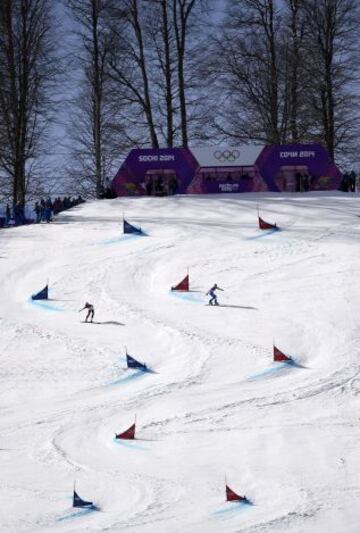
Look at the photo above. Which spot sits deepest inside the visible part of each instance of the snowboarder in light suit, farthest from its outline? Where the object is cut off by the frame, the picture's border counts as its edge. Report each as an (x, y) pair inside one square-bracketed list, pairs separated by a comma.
[(211, 292)]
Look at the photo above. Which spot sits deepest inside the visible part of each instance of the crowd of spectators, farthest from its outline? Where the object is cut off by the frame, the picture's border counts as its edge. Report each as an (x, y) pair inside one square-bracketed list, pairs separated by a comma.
[(161, 185), (43, 211)]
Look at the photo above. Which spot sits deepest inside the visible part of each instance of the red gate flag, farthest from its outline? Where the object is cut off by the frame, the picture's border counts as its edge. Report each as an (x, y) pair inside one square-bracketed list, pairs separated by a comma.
[(183, 285), (231, 496), (129, 434), (266, 225), (280, 356)]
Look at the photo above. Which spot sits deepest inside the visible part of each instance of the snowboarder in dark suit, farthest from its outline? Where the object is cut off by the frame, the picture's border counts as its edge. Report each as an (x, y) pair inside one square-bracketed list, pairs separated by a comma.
[(91, 311)]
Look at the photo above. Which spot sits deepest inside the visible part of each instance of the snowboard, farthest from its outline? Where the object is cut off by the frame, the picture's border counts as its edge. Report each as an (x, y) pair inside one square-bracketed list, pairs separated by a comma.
[(232, 306), (109, 323)]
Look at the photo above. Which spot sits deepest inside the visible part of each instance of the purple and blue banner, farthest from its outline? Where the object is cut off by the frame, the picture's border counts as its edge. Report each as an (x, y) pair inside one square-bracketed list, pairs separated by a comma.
[(166, 171)]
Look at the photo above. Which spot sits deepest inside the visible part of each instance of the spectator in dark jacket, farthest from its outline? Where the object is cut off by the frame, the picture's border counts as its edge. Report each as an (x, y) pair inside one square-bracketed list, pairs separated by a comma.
[(37, 209), (42, 209), (19, 214), (48, 209), (7, 215)]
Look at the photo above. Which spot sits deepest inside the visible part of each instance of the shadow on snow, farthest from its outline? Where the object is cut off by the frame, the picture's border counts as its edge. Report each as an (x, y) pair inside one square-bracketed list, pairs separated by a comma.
[(79, 513), (131, 376), (265, 233), (105, 323), (232, 508), (123, 238), (190, 296), (130, 444), (235, 306), (44, 305), (277, 368)]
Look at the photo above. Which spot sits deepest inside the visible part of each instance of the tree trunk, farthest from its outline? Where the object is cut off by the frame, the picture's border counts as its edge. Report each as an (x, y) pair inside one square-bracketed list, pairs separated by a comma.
[(294, 68), (274, 104), (97, 100), (147, 100), (181, 21), (168, 77)]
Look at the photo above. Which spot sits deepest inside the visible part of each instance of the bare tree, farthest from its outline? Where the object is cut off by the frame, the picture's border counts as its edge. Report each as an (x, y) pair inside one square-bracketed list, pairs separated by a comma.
[(294, 71), (288, 72), (332, 47), (181, 12), (129, 66), (28, 69), (246, 61), (154, 68), (167, 69), (186, 17), (160, 29), (92, 130)]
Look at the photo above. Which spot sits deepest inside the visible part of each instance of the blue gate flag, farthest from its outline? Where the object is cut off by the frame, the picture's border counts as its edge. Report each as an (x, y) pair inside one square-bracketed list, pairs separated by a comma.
[(79, 502), (42, 295), (133, 363), (129, 228)]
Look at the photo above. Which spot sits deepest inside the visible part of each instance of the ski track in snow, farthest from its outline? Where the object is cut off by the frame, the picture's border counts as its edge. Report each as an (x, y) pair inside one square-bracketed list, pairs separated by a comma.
[(285, 435)]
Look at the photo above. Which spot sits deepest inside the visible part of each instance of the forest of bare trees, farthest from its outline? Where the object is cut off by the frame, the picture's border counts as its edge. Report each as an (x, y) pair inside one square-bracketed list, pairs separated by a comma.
[(289, 74), (28, 71), (171, 73)]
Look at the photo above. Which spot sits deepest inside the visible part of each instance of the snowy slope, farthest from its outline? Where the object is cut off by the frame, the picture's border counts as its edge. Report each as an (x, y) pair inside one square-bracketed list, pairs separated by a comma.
[(215, 405)]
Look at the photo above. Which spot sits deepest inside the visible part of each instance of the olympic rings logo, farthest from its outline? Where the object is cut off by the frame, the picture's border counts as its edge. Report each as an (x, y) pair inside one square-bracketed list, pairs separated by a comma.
[(227, 155)]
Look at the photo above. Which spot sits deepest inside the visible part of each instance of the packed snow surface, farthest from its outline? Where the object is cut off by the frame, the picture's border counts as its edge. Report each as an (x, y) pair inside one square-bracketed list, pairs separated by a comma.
[(215, 406)]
